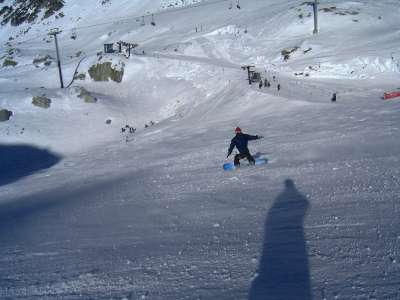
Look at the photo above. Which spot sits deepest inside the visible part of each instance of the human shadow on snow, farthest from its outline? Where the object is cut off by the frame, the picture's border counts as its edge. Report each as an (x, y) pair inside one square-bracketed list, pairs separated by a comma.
[(18, 161), (283, 273)]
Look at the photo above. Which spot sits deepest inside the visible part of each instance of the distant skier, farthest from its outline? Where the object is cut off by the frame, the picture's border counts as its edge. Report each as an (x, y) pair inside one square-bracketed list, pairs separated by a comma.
[(240, 141)]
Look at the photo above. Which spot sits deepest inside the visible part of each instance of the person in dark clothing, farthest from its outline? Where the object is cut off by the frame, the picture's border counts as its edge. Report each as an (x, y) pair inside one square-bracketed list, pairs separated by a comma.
[(240, 141)]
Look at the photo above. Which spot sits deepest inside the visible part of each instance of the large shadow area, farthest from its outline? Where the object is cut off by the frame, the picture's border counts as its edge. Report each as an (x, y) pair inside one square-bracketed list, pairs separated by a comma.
[(18, 161), (283, 273)]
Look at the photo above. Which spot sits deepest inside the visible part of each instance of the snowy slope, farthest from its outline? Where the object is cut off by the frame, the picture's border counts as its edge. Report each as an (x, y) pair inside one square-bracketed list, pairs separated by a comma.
[(90, 212), (225, 40)]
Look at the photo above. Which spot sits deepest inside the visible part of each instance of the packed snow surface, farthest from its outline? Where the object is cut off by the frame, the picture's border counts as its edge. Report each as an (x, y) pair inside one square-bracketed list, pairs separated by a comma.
[(126, 198)]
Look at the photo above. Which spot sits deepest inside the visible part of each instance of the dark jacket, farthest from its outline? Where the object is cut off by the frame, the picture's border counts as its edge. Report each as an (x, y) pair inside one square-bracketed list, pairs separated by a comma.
[(240, 141)]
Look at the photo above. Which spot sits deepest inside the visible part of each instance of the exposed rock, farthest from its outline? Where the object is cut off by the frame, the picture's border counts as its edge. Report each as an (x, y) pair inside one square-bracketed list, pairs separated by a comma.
[(46, 60), (105, 71), (5, 115), (13, 51), (286, 52), (21, 11), (80, 76), (41, 101), (8, 62), (86, 96)]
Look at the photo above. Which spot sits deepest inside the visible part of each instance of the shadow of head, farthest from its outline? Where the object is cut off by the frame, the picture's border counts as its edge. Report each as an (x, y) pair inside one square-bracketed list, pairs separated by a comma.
[(289, 183), (18, 161)]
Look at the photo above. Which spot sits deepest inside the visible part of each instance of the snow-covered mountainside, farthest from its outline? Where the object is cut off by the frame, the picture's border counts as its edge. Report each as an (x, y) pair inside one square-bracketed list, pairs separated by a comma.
[(112, 187)]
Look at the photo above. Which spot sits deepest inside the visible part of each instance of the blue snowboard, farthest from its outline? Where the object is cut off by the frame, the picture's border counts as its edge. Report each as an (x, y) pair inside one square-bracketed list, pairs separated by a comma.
[(230, 166)]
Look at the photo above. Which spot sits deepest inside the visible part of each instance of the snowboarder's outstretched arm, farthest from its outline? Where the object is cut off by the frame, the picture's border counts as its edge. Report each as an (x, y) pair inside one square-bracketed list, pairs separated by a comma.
[(253, 137), (230, 149)]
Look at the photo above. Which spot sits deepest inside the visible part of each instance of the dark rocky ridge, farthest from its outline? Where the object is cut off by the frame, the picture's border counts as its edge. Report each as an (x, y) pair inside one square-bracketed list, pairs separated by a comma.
[(22, 11)]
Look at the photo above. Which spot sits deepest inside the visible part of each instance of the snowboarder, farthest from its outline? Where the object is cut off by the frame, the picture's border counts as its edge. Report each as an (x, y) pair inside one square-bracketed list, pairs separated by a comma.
[(240, 142)]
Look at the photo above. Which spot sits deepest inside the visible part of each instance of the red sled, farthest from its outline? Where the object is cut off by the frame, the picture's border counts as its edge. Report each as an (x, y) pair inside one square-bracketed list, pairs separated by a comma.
[(391, 95)]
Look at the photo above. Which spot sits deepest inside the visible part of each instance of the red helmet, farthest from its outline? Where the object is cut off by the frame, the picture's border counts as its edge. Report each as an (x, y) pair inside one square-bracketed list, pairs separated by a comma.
[(238, 130)]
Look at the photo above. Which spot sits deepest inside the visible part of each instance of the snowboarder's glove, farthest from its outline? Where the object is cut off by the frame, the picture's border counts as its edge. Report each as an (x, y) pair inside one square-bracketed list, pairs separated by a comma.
[(260, 136)]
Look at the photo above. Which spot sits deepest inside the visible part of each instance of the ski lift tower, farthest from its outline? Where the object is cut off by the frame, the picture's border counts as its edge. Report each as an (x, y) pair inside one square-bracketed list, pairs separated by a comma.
[(54, 33), (314, 5), (315, 8), (250, 71)]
